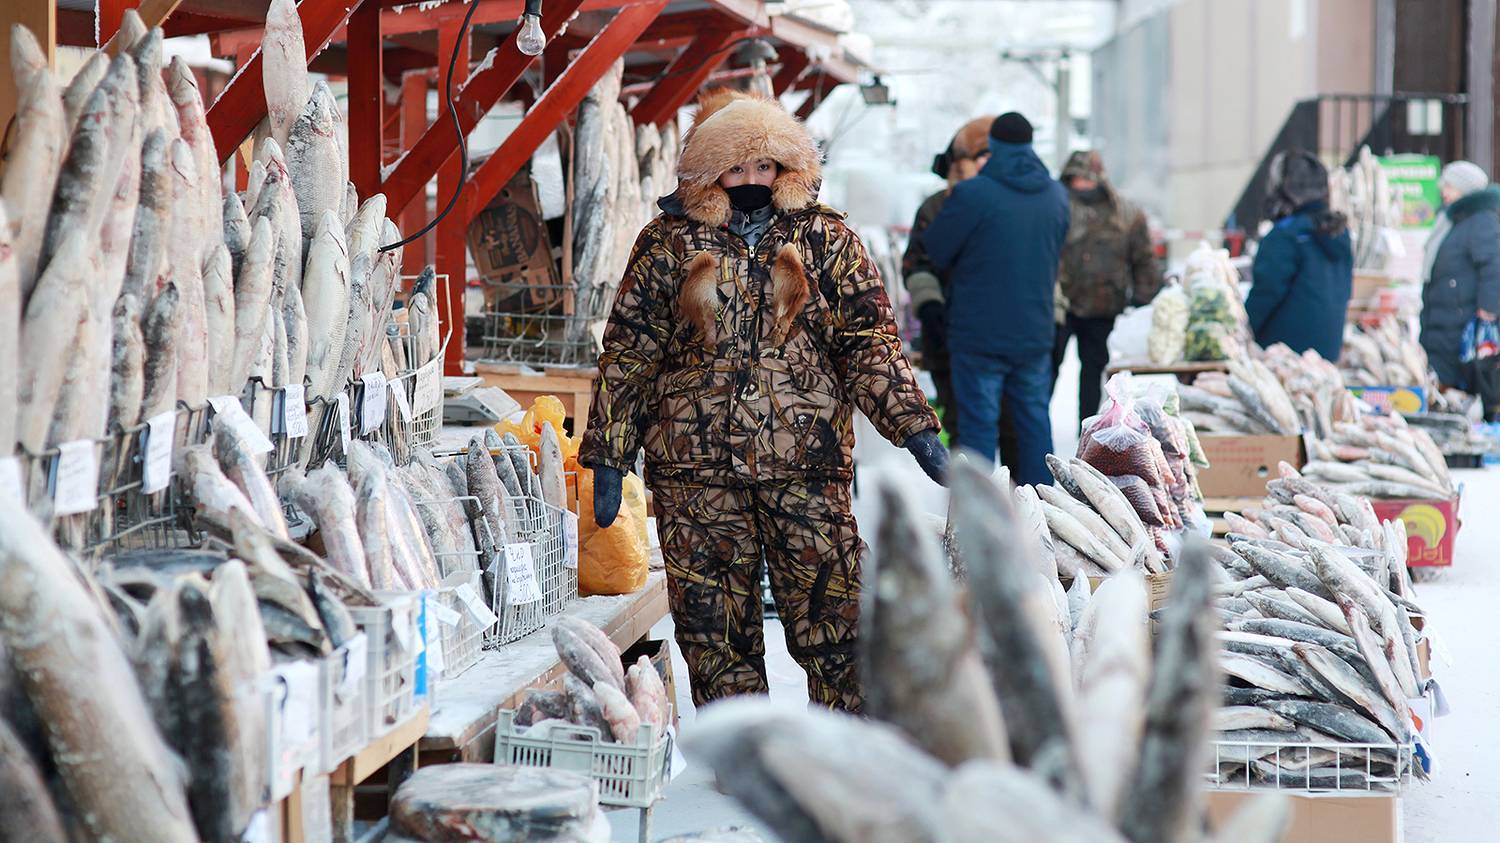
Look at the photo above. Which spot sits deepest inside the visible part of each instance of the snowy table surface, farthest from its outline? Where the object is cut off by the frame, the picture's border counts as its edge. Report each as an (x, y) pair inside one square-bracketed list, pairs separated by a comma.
[(463, 711)]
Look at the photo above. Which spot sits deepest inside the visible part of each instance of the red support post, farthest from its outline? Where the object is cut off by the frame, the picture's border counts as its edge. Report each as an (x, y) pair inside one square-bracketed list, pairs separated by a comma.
[(451, 253), (414, 88), (555, 104), (794, 63), (817, 91), (685, 75), (366, 98), (479, 94), (110, 14), (242, 104)]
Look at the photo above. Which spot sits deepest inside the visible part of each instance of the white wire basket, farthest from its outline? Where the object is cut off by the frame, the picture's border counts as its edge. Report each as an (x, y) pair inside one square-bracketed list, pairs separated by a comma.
[(539, 527), (394, 643), (1312, 767), (461, 640), (343, 709), (424, 424)]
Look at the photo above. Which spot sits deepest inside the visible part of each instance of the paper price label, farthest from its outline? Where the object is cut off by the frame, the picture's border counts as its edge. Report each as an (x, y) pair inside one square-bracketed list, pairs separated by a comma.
[(398, 394), (401, 625), (356, 661), (294, 411), (520, 575), (436, 664), (342, 400), (444, 614), (157, 471), (299, 711), (259, 829), (429, 391), (477, 610), (372, 408), (227, 411), (10, 478), (570, 539), (77, 488)]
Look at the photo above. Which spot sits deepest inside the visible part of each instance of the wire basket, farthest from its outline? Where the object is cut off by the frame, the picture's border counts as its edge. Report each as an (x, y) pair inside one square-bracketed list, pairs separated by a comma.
[(395, 642), (538, 326), (426, 423), (343, 709), (463, 640), (538, 526), (1303, 766), (629, 775)]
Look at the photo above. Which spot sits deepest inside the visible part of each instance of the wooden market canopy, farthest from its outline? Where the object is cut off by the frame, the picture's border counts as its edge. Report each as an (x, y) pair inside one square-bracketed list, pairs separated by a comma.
[(671, 48)]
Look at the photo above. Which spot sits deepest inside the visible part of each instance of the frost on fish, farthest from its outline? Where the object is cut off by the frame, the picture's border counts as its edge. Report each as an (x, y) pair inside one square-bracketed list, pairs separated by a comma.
[(313, 160), (284, 67), (326, 292)]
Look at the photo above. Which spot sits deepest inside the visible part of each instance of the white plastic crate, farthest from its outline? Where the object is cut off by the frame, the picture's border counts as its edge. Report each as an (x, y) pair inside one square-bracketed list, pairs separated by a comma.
[(451, 620), (394, 644), (292, 723), (629, 775), (343, 703)]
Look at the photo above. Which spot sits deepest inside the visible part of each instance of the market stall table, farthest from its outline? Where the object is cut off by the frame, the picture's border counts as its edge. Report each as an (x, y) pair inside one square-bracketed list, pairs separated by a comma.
[(462, 724), (1184, 371), (573, 386)]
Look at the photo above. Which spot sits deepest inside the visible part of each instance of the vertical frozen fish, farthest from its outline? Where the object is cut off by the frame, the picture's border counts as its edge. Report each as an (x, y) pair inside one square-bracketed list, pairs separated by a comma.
[(159, 334), (219, 316), (294, 323), (53, 316), (284, 57), (325, 495), (85, 182), (145, 267), (252, 299), (384, 282), (10, 334), (554, 486), (237, 232), (1111, 672), (312, 159), (326, 299), (277, 200), (83, 83), (127, 382), (242, 469), (185, 263), (113, 762), (194, 128), (37, 143)]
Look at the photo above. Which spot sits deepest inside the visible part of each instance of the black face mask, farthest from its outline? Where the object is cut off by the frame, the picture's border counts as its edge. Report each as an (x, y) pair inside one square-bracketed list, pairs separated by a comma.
[(1090, 196), (749, 197)]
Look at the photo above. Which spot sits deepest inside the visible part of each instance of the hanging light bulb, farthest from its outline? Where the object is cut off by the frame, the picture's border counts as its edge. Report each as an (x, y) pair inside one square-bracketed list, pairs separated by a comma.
[(530, 40)]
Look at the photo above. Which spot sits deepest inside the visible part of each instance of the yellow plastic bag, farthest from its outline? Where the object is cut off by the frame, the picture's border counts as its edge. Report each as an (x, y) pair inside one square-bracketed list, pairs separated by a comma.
[(615, 560), (546, 409)]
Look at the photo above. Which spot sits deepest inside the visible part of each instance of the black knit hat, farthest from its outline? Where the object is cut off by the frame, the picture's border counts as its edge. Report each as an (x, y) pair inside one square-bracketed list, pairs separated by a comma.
[(1011, 127)]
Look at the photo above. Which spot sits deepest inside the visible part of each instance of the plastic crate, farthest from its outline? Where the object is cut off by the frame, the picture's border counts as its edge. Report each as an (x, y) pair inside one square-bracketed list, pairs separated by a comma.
[(343, 709), (461, 642), (629, 775), (391, 675), (293, 723)]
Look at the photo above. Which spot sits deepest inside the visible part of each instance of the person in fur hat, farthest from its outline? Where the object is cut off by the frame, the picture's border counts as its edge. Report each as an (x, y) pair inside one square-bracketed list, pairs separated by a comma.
[(748, 327)]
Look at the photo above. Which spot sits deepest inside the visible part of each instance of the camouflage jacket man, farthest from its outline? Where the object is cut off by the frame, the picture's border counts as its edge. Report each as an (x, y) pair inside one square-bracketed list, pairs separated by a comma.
[(731, 363), (1107, 262)]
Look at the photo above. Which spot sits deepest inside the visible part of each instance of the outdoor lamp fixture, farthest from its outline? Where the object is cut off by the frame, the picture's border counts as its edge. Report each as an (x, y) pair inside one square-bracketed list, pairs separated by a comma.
[(758, 50), (876, 93), (531, 40)]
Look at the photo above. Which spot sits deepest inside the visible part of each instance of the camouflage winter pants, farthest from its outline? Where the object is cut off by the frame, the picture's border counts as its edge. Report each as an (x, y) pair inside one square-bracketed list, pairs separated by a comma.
[(714, 539)]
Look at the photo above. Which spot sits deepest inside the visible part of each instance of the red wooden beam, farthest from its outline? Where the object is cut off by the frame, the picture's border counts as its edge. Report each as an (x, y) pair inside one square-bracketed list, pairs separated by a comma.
[(451, 255), (242, 104), (555, 104), (817, 85), (366, 98), (411, 20), (686, 75), (478, 95), (182, 22), (793, 64), (414, 88), (110, 14)]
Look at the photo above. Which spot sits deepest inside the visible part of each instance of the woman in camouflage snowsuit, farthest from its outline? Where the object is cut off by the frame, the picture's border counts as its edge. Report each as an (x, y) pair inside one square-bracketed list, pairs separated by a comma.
[(749, 325)]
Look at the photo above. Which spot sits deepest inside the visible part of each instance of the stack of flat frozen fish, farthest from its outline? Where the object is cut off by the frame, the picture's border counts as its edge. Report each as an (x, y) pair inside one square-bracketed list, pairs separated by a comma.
[(1384, 354), (1380, 457), (1023, 718), (1249, 399), (1316, 387)]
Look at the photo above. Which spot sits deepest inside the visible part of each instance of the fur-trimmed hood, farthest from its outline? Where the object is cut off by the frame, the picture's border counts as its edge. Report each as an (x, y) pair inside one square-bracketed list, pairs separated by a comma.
[(732, 127)]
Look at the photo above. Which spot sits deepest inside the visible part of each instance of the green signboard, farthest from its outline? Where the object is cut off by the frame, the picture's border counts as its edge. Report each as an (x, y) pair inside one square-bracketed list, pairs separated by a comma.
[(1414, 181)]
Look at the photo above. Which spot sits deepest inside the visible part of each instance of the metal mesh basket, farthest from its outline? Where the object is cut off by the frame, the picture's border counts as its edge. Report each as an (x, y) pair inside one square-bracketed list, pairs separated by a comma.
[(343, 709), (395, 642), (463, 641), (539, 526), (1302, 766), (425, 425), (539, 326)]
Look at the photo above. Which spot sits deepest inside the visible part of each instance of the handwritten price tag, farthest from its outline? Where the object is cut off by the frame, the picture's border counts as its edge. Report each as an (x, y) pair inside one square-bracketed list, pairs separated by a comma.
[(477, 610), (429, 391), (228, 412), (294, 411), (342, 399), (372, 408), (157, 472), (570, 537), (520, 575), (77, 487)]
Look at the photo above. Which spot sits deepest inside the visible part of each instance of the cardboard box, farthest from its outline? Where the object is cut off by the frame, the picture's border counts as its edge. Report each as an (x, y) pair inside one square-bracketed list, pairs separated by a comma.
[(1431, 527), (1384, 400), (512, 251), (1367, 286), (1324, 818), (1239, 466)]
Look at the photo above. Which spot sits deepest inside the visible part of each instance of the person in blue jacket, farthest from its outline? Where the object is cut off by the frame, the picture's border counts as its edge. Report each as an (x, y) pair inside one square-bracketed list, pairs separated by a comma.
[(1461, 277), (1000, 236), (1304, 270)]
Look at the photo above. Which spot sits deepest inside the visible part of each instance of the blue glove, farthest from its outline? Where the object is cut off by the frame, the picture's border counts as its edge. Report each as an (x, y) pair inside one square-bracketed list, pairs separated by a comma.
[(929, 452), (607, 483)]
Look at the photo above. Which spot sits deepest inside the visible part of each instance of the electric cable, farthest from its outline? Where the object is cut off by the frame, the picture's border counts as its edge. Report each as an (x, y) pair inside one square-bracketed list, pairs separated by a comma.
[(463, 146)]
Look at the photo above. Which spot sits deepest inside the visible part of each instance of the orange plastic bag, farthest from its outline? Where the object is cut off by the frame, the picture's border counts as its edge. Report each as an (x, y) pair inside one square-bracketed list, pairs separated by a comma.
[(615, 560), (546, 409)]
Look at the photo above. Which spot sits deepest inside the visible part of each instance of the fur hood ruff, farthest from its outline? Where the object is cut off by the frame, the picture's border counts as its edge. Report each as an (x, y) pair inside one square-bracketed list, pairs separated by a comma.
[(732, 127)]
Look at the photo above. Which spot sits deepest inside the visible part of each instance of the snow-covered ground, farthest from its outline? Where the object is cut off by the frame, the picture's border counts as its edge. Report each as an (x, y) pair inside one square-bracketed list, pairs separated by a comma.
[(1460, 804)]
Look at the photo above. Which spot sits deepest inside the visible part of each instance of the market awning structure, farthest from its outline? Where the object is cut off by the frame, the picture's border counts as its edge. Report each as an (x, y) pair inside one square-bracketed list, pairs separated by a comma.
[(671, 49)]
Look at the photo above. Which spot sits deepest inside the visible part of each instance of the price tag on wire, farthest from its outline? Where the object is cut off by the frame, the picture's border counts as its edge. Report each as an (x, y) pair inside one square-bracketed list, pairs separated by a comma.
[(398, 395), (444, 614), (10, 478), (477, 610), (520, 575), (429, 392), (156, 473), (77, 487), (227, 411), (372, 407), (570, 539), (294, 411), (342, 400)]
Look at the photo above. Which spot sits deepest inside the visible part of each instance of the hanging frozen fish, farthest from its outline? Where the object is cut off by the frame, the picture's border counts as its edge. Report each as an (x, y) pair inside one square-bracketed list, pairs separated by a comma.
[(159, 334), (349, 204), (554, 486), (113, 763), (277, 200), (357, 319), (313, 161), (252, 300), (127, 381), (194, 128), (38, 140), (185, 259), (326, 292), (10, 334), (384, 282), (219, 316), (294, 323), (77, 92), (85, 182), (53, 317), (237, 232), (145, 267), (284, 57), (242, 469), (157, 110)]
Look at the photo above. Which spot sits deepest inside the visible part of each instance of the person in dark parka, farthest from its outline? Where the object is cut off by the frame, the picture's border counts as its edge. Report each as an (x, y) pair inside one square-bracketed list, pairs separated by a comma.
[(1463, 267), (1000, 236), (1304, 271)]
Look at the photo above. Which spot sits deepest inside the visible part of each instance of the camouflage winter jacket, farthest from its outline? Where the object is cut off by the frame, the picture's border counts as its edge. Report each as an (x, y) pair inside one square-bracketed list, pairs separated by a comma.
[(1107, 262), (732, 366)]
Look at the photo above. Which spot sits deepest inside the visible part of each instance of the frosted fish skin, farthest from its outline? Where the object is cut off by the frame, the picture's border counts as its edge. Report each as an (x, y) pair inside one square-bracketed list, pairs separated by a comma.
[(76, 94), (252, 299), (313, 161), (10, 334), (554, 486), (84, 181), (53, 316), (145, 267), (184, 256), (294, 323), (237, 232), (219, 321), (193, 124), (284, 55), (243, 469), (326, 293), (39, 141), (127, 372)]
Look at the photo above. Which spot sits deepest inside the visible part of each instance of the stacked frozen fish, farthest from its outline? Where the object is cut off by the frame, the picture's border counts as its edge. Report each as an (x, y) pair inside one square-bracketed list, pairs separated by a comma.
[(1315, 386), (1248, 399), (1024, 718), (1362, 192), (598, 691), (1380, 457), (1385, 354)]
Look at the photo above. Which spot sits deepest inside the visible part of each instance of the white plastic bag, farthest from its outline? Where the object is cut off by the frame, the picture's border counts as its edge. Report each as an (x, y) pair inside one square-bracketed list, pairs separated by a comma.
[(1128, 340)]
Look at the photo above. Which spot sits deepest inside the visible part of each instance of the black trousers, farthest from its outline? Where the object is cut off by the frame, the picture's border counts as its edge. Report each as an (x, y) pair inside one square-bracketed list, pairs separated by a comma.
[(1093, 357)]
